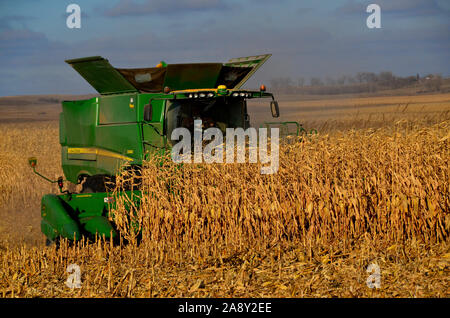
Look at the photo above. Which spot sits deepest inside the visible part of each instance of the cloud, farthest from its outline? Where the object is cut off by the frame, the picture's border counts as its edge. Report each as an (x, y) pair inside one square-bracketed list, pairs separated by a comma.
[(352, 7), (11, 21), (417, 7), (33, 63), (304, 11), (407, 8), (132, 8), (268, 2), (24, 48), (84, 15), (17, 42), (30, 63), (297, 52), (307, 51)]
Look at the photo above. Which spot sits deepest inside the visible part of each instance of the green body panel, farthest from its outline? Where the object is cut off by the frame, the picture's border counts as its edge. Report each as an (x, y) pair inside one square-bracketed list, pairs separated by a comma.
[(98, 225), (74, 215), (116, 109), (158, 104), (153, 131), (56, 220), (62, 130), (74, 168), (122, 139), (79, 121)]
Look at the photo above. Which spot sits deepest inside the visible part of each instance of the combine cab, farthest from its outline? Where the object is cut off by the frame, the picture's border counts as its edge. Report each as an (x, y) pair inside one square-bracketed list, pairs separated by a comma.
[(133, 118)]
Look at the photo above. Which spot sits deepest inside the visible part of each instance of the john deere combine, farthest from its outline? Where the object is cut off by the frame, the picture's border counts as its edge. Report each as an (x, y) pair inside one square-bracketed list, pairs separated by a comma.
[(134, 116)]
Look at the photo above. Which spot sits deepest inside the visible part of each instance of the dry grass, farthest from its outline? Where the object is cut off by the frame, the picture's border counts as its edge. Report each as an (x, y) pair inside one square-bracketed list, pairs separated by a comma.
[(20, 189), (407, 270), (386, 185), (339, 202)]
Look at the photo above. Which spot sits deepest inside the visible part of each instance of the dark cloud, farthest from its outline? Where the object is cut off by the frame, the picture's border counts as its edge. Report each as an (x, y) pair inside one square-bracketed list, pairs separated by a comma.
[(132, 8)]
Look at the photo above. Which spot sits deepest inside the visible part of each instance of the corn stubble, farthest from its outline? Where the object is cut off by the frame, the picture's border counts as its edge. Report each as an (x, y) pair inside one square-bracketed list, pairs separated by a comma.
[(338, 203)]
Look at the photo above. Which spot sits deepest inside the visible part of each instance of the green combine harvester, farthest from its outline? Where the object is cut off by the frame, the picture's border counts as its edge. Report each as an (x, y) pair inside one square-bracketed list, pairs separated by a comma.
[(134, 116)]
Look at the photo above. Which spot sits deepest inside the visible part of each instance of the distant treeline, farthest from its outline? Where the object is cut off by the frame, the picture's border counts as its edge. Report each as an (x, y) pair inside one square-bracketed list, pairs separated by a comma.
[(362, 82)]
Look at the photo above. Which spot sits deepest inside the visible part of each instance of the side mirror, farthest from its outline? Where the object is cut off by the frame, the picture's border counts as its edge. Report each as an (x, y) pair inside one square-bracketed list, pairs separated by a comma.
[(274, 108), (32, 162), (148, 112)]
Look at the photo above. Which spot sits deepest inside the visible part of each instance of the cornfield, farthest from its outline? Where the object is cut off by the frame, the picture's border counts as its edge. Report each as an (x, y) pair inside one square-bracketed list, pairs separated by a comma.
[(339, 202), (384, 186)]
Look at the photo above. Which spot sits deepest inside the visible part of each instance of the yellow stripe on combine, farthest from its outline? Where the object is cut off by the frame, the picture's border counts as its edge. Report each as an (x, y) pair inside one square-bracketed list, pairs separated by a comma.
[(99, 152)]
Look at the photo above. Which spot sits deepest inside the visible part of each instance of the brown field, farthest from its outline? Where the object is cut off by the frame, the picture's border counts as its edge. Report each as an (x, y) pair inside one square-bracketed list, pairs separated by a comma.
[(371, 188), (346, 112)]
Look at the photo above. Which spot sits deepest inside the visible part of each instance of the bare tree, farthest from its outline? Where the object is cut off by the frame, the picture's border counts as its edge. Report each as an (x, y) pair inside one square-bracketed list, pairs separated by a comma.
[(330, 81), (315, 81), (341, 80), (359, 77), (386, 79), (282, 84), (433, 83)]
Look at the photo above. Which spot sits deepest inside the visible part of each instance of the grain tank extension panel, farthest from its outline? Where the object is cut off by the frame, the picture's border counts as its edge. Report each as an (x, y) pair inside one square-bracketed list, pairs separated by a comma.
[(106, 79)]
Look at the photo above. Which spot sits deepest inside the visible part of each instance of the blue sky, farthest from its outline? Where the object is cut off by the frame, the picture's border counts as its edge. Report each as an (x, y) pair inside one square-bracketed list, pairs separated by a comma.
[(306, 38)]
